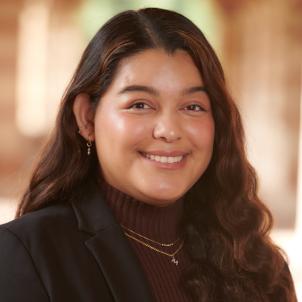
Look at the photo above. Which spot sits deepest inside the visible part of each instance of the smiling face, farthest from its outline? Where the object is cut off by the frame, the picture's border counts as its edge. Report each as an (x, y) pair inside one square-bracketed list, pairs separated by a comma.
[(153, 127)]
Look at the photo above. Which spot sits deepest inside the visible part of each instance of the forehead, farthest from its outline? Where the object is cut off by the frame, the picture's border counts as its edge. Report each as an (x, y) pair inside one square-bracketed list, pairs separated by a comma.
[(156, 67)]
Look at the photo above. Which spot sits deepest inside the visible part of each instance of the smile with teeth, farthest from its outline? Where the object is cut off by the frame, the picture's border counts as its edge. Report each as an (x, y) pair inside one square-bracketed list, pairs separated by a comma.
[(164, 159)]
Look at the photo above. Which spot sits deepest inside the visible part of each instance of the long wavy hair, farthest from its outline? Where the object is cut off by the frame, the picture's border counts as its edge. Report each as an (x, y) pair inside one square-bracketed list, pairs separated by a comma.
[(226, 225)]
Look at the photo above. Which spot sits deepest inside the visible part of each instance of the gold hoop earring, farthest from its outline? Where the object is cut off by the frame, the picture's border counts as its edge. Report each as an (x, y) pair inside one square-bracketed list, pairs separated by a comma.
[(89, 145)]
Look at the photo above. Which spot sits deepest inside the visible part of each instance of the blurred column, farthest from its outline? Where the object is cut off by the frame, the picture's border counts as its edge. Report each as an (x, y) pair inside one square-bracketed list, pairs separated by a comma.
[(49, 59), (299, 206), (297, 5), (32, 63)]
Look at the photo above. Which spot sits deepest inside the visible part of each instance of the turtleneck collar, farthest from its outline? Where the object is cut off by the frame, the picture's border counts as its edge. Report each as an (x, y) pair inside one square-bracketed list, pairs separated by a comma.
[(158, 223)]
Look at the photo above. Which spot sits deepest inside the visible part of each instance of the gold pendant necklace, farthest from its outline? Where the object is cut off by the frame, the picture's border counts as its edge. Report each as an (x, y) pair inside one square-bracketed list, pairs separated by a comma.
[(171, 255)]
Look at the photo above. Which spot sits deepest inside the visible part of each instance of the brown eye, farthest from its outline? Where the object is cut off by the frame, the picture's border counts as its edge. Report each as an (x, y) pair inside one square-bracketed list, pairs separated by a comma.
[(195, 107), (139, 106)]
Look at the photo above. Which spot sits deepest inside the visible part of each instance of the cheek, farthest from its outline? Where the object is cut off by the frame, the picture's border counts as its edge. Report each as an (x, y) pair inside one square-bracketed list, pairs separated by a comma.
[(202, 134), (119, 130), (134, 128)]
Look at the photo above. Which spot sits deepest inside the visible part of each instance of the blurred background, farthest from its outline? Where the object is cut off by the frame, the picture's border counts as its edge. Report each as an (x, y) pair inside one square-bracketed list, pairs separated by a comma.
[(258, 41)]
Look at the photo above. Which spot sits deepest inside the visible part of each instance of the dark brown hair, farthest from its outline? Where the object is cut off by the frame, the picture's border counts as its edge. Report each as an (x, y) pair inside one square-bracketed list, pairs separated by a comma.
[(226, 225)]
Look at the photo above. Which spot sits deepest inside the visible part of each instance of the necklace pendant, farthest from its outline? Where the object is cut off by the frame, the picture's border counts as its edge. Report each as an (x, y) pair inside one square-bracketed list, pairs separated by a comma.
[(174, 261)]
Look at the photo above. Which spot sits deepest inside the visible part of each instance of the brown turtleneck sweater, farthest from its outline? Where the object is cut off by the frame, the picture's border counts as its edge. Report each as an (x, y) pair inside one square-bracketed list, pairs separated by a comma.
[(160, 224)]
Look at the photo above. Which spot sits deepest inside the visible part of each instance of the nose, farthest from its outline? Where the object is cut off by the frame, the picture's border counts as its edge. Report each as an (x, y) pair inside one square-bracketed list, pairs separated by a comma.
[(167, 128)]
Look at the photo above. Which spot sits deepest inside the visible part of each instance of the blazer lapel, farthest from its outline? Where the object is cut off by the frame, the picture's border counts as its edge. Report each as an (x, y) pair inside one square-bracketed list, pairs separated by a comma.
[(111, 249)]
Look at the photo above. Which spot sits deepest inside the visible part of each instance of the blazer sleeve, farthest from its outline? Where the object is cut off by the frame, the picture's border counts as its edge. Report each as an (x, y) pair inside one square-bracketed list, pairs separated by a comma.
[(19, 279)]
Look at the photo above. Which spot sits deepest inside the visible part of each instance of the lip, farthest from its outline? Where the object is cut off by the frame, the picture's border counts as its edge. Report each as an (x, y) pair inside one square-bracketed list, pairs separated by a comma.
[(166, 166)]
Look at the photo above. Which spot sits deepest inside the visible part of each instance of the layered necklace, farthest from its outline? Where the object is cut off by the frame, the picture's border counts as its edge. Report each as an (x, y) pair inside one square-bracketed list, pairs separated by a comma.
[(155, 245)]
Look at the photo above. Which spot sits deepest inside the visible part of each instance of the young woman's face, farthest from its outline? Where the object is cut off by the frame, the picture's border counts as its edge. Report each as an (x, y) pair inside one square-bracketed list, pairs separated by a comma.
[(154, 128)]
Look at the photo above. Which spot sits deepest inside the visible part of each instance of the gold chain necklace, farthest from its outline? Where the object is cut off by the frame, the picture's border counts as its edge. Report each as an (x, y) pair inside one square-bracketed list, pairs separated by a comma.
[(149, 239), (171, 255)]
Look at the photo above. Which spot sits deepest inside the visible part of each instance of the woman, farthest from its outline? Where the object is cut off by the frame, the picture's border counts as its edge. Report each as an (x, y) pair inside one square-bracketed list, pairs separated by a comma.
[(144, 192)]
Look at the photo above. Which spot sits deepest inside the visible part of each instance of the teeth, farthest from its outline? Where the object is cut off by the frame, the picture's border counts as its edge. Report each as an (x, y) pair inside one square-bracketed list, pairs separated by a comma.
[(164, 159)]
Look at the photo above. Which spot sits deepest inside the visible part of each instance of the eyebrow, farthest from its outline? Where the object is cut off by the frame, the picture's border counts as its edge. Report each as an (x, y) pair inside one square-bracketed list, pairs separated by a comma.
[(153, 91)]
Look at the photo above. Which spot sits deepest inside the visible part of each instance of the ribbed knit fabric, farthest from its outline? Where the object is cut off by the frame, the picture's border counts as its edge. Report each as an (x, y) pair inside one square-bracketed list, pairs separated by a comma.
[(160, 224)]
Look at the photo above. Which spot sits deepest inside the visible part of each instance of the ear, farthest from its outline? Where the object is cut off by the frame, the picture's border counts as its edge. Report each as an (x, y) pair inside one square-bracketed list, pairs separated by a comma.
[(84, 115)]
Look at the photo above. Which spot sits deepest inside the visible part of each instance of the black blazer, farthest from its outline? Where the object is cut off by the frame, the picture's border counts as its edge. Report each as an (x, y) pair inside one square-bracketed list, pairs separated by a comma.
[(69, 252)]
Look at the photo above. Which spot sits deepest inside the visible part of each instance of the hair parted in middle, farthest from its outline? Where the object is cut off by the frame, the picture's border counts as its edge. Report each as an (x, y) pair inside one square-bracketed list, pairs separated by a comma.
[(226, 225)]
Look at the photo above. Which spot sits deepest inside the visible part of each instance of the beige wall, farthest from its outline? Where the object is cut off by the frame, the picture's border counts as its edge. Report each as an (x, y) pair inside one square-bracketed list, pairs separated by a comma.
[(40, 47), (262, 59)]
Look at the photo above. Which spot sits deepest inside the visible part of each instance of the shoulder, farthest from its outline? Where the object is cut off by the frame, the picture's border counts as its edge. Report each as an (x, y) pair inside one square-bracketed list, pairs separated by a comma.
[(27, 246), (38, 234), (43, 222)]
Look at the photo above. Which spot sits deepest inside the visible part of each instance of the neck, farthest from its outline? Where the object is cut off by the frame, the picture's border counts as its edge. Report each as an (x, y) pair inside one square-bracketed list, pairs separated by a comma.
[(158, 223)]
